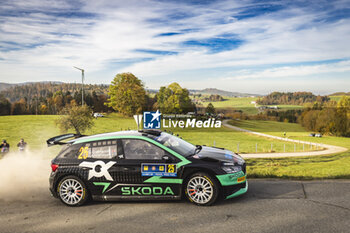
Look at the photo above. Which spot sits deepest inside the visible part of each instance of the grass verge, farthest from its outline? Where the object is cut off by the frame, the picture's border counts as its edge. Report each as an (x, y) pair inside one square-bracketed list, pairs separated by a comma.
[(317, 167)]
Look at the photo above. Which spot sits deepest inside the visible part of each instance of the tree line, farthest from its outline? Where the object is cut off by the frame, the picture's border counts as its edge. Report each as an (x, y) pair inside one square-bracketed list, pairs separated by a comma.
[(328, 118), (126, 95), (31, 91), (332, 118), (213, 98), (35, 100), (291, 98)]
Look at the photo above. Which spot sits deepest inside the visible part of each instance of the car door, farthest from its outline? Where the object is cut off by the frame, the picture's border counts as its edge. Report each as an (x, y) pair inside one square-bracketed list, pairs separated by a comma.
[(98, 161), (141, 161)]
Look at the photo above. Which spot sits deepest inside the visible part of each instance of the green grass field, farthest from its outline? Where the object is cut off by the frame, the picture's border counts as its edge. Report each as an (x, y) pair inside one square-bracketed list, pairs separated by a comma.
[(245, 105), (234, 102), (293, 131), (239, 141), (37, 129), (336, 97), (321, 167)]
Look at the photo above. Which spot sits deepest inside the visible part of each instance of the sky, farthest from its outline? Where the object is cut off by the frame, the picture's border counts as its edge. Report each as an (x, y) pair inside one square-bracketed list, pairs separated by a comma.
[(245, 46)]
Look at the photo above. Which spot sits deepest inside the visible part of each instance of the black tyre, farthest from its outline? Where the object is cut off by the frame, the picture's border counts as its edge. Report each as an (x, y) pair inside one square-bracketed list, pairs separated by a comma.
[(72, 191), (201, 189)]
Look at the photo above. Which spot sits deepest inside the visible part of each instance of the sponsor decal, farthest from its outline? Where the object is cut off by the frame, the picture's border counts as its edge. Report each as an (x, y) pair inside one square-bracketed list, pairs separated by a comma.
[(241, 179), (150, 169), (104, 184), (146, 191), (151, 120), (98, 169)]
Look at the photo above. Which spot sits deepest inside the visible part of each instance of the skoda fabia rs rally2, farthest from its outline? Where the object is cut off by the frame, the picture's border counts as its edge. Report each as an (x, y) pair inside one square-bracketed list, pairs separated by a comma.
[(143, 165)]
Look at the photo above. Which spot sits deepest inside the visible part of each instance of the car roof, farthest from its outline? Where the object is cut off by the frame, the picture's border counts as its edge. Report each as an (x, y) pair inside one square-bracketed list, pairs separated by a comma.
[(116, 135), (111, 134)]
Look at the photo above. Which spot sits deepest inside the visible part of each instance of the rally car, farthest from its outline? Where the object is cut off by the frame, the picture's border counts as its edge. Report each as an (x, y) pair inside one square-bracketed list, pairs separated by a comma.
[(143, 165)]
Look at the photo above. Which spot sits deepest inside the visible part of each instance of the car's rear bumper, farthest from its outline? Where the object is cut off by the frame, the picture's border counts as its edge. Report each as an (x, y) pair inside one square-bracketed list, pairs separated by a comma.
[(52, 184)]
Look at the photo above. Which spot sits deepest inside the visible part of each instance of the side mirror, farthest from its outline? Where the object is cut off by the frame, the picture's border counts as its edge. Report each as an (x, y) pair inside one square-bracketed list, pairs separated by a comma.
[(167, 159)]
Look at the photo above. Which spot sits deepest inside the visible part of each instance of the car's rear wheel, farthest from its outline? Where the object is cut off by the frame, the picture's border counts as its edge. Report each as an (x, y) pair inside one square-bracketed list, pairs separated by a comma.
[(72, 191), (201, 189)]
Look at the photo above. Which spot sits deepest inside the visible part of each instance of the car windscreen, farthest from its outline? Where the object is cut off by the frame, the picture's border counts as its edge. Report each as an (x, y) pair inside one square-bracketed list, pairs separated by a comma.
[(176, 144)]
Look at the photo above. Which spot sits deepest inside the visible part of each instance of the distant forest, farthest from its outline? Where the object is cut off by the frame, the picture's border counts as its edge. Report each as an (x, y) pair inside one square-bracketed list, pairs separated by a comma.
[(291, 98), (50, 98), (39, 90)]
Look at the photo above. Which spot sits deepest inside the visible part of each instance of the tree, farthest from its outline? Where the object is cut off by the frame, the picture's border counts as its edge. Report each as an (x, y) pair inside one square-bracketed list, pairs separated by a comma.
[(19, 107), (127, 94), (342, 119), (174, 99), (210, 109), (75, 117), (5, 106)]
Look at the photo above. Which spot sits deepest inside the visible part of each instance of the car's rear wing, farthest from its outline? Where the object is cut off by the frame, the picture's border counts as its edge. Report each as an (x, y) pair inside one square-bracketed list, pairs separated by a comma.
[(57, 140)]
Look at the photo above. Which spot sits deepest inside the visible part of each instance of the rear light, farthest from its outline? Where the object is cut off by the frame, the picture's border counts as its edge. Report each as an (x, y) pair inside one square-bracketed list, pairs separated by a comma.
[(54, 167)]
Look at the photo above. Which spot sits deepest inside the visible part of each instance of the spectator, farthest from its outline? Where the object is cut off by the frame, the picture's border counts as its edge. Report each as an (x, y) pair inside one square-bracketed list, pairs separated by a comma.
[(22, 145), (5, 147)]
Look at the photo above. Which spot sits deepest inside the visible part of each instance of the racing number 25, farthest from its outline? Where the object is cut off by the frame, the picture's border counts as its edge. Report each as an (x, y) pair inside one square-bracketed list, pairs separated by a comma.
[(83, 152), (171, 168)]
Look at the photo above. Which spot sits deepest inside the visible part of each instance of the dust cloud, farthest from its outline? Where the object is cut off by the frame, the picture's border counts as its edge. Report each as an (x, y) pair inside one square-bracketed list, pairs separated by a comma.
[(24, 175)]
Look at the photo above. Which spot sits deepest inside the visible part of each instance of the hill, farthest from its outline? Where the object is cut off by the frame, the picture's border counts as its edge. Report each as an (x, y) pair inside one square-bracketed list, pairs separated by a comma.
[(4, 86), (340, 94), (214, 91)]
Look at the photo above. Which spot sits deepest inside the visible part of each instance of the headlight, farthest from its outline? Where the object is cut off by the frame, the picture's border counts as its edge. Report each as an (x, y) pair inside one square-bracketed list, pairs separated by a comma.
[(237, 158), (231, 169)]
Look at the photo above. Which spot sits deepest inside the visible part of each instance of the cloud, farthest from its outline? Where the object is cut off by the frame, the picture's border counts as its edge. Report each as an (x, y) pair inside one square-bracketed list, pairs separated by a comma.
[(163, 41), (293, 72)]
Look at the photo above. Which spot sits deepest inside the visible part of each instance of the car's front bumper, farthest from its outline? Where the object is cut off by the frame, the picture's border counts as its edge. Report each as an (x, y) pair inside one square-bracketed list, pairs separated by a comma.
[(233, 185), (241, 191)]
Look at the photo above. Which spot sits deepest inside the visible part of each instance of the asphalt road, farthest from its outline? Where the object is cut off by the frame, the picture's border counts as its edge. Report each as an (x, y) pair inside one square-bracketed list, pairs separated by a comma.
[(269, 206)]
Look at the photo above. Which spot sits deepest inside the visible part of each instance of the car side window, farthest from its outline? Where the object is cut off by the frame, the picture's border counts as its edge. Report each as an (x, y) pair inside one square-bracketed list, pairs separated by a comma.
[(140, 149), (102, 149), (69, 151)]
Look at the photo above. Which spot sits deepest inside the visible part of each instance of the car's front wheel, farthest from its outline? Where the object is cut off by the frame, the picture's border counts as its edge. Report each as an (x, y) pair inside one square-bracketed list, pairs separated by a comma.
[(201, 189), (72, 191)]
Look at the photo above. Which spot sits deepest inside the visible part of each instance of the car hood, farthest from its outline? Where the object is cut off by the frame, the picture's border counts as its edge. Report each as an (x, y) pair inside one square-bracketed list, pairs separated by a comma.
[(212, 153)]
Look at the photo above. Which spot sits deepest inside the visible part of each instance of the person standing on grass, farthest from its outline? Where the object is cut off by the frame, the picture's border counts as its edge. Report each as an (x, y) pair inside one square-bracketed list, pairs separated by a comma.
[(4, 147), (22, 145)]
